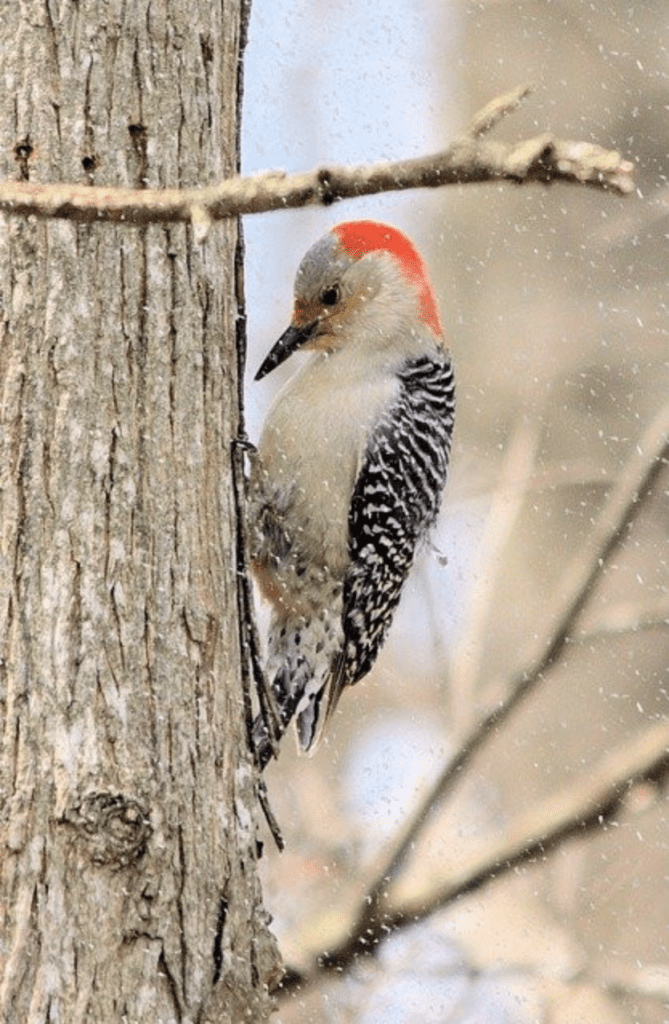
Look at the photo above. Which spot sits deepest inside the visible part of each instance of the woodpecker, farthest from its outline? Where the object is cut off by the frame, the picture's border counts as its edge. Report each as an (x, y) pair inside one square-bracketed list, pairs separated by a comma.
[(350, 468)]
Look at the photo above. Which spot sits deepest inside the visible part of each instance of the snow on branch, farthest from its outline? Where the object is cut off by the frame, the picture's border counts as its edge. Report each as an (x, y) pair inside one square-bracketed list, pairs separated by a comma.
[(470, 158)]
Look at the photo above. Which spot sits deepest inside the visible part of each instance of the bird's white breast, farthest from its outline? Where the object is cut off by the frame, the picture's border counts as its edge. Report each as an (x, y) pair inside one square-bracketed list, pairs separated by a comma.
[(312, 448)]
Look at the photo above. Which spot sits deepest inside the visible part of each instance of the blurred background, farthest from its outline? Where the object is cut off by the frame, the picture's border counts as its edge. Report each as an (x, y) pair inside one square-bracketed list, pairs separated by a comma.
[(555, 300)]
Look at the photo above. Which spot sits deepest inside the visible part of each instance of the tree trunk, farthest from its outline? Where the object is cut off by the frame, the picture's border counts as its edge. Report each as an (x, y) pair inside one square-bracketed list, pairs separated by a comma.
[(129, 888)]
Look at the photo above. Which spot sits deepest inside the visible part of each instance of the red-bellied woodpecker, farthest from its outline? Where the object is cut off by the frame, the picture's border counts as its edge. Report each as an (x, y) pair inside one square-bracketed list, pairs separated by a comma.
[(350, 467)]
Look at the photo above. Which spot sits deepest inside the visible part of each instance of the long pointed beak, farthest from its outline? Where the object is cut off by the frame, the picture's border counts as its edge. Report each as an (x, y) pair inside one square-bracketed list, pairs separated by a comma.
[(291, 339)]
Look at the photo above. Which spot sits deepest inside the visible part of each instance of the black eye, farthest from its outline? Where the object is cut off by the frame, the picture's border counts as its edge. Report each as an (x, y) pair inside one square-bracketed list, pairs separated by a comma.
[(330, 297)]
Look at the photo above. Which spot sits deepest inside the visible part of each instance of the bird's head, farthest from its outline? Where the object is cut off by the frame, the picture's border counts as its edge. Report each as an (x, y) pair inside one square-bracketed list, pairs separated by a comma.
[(363, 282)]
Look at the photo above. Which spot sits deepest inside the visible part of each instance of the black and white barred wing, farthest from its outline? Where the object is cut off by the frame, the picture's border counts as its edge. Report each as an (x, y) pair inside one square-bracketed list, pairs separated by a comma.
[(396, 500)]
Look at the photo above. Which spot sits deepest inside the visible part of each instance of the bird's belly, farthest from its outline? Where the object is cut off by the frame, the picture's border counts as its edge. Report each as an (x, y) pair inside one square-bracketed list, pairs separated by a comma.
[(310, 454)]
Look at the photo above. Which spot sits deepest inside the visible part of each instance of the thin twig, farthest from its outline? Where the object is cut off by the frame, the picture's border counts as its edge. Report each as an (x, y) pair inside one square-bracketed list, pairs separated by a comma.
[(493, 112), (469, 159), (270, 817)]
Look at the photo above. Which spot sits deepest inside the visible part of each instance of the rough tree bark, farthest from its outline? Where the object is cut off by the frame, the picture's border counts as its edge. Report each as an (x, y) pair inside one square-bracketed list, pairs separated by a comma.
[(128, 876)]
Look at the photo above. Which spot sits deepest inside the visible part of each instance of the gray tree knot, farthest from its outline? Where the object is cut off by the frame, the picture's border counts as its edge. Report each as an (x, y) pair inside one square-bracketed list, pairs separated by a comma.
[(114, 828)]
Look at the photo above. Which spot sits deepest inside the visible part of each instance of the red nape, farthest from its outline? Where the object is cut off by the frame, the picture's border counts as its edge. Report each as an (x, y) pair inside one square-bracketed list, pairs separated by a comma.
[(359, 237)]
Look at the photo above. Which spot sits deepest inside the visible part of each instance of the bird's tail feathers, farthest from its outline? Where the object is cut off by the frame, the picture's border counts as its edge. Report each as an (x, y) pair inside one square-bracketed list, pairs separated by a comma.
[(317, 705), (306, 665)]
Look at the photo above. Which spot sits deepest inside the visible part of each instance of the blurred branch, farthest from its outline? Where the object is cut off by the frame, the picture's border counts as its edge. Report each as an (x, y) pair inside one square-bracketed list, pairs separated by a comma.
[(469, 159), (629, 617), (586, 805), (648, 982), (507, 502), (603, 787)]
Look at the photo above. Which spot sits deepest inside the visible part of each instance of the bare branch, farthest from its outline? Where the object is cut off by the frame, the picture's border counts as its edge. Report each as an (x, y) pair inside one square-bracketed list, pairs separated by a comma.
[(584, 806), (469, 159)]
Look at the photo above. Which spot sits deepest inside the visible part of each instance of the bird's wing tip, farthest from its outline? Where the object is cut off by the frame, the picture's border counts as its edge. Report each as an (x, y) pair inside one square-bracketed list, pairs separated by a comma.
[(319, 706)]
